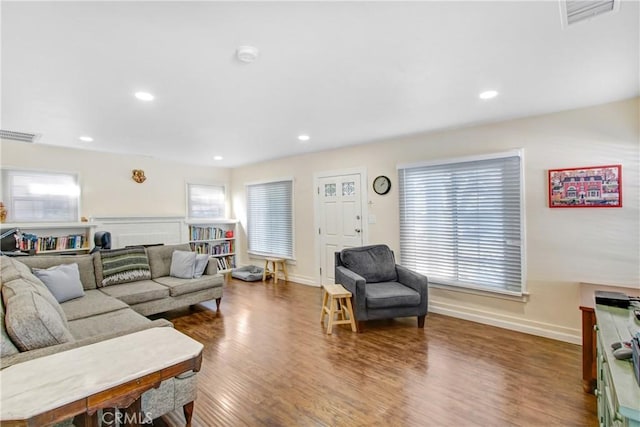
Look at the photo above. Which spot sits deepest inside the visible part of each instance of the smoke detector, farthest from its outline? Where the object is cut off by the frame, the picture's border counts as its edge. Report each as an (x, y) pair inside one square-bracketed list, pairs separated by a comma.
[(247, 54)]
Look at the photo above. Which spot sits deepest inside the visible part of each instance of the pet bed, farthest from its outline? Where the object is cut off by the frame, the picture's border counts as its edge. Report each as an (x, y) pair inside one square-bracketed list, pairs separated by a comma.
[(250, 273)]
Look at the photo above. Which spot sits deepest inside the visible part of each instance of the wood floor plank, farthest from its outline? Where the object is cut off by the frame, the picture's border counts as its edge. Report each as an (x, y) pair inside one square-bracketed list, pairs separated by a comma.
[(268, 362)]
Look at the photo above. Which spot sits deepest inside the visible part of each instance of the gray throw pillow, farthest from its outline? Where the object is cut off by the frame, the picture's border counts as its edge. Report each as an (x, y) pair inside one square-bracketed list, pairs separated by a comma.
[(201, 264), (33, 323), (62, 280), (183, 264)]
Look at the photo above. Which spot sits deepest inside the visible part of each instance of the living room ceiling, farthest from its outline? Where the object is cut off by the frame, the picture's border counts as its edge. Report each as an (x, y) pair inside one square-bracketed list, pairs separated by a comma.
[(343, 73)]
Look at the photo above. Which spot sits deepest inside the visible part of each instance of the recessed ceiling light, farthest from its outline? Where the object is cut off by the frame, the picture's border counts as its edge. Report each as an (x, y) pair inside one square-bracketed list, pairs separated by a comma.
[(86, 139), (488, 94), (144, 96), (304, 137), (218, 157)]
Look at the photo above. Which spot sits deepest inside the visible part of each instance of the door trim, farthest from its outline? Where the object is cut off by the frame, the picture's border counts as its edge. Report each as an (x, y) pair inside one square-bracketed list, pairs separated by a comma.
[(364, 200)]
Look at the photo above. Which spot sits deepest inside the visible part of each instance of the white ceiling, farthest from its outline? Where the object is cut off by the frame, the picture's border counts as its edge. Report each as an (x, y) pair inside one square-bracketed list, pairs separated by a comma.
[(343, 72)]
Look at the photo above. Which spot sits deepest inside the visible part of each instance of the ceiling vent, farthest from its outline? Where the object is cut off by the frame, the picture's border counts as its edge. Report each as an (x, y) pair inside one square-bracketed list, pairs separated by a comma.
[(574, 11), (19, 136)]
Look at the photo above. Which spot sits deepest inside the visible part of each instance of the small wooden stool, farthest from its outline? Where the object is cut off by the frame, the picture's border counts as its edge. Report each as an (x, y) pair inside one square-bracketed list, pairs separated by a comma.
[(276, 262), (339, 295)]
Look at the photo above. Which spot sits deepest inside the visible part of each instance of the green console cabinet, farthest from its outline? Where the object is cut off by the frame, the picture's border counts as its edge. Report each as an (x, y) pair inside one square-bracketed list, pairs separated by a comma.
[(618, 391)]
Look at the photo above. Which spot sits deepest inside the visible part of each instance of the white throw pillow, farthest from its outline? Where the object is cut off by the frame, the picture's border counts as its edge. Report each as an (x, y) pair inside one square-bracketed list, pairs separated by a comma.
[(201, 264), (183, 264), (62, 280)]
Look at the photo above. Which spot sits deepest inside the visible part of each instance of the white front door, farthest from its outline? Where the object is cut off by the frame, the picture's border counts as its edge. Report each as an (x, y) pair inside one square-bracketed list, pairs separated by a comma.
[(340, 219)]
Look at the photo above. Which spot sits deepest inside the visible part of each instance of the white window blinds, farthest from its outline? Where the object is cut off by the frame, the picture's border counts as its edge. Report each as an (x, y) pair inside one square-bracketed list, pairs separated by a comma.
[(205, 201), (270, 218), (461, 222), (32, 196)]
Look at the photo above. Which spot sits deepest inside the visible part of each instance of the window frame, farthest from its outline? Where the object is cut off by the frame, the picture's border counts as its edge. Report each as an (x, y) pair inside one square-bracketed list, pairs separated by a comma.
[(522, 226), (259, 254), (188, 201), (7, 194)]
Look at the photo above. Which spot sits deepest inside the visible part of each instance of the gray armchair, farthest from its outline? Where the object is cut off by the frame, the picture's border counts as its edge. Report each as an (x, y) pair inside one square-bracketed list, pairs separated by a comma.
[(381, 288)]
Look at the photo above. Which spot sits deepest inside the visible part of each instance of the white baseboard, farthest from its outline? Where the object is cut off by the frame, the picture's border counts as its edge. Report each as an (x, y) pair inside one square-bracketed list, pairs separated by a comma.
[(573, 336), (304, 280)]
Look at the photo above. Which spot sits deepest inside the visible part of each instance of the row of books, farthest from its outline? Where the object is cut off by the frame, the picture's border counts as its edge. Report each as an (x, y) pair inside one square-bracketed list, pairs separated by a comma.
[(209, 233), (226, 263), (211, 249), (27, 242)]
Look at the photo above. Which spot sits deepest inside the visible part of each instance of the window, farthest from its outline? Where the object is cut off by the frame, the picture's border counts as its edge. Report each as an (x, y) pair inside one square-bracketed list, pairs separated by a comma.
[(461, 222), (270, 218), (40, 196), (205, 201)]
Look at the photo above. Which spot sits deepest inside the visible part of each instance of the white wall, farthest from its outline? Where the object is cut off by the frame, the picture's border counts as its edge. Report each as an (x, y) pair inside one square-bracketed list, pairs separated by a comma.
[(107, 187), (564, 246)]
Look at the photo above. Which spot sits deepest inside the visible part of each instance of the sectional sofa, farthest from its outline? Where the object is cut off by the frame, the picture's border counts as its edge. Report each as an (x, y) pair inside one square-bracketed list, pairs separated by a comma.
[(35, 325)]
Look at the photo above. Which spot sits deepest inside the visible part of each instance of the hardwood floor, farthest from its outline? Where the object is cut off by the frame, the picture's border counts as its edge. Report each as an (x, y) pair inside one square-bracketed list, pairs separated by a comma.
[(268, 362)]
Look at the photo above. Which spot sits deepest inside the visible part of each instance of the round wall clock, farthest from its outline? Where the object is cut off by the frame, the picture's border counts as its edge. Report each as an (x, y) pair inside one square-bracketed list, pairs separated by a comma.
[(382, 185)]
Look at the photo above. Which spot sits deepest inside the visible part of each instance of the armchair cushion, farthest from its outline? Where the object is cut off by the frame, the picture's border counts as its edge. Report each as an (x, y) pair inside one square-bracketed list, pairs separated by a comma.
[(374, 263), (390, 294)]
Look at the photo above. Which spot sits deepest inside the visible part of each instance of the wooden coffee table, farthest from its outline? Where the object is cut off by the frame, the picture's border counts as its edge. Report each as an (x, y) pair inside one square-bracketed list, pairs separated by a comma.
[(108, 374)]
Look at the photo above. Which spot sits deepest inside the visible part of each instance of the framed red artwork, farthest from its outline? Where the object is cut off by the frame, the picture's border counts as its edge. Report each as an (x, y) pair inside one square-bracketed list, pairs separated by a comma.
[(587, 187)]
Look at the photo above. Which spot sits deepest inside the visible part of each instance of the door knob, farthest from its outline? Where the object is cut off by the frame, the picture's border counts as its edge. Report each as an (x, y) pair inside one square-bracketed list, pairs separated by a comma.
[(357, 230)]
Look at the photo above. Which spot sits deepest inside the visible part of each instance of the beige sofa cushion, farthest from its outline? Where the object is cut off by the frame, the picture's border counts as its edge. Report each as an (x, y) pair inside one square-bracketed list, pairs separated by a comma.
[(97, 267), (123, 320), (85, 265), (92, 303), (7, 347), (33, 323), (11, 270), (185, 286), (31, 284), (137, 292), (160, 258)]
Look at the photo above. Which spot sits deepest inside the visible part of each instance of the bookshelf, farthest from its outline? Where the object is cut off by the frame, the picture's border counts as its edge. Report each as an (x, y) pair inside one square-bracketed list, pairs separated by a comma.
[(53, 238), (216, 238)]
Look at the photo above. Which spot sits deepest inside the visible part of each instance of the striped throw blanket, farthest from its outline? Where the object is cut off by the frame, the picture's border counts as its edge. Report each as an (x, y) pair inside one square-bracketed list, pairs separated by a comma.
[(124, 265)]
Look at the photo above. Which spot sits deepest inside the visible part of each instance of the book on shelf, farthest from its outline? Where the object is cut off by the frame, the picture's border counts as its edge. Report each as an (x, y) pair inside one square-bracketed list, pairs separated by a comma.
[(211, 248), (226, 263), (209, 233), (27, 242)]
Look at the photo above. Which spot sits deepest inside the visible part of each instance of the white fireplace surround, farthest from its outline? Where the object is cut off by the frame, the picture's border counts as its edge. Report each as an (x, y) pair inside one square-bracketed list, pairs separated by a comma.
[(131, 230)]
